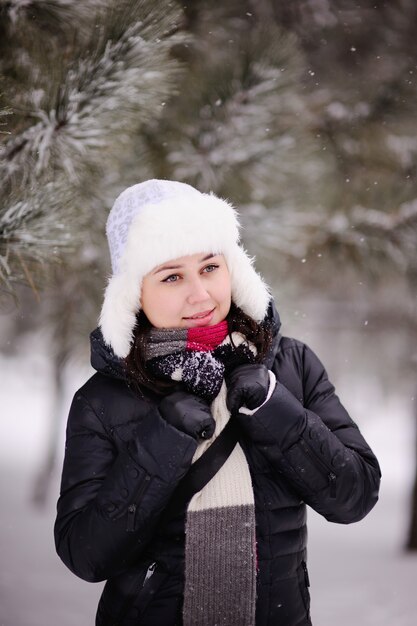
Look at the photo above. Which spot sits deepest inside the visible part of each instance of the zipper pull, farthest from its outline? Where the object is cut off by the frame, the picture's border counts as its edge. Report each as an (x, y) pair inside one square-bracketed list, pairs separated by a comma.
[(149, 573), (332, 481), (306, 577), (131, 515)]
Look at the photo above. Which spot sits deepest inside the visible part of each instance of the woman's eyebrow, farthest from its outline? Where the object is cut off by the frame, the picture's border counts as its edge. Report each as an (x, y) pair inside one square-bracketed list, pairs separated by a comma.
[(177, 267), (167, 267)]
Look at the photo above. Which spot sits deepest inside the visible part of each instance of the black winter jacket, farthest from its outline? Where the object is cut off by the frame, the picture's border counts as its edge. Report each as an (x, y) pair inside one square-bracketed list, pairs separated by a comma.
[(123, 461)]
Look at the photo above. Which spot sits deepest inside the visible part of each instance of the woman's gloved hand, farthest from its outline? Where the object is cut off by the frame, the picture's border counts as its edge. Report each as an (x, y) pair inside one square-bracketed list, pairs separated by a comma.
[(188, 413), (247, 385)]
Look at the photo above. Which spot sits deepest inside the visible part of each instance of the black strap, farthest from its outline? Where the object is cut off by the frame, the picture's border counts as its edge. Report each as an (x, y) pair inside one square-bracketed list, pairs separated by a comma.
[(203, 470)]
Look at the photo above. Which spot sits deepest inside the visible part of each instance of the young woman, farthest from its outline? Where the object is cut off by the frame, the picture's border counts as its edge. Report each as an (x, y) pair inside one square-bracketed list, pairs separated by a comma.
[(189, 356)]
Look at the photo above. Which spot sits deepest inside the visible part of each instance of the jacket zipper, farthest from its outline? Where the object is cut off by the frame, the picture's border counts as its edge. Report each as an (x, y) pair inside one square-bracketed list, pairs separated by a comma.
[(149, 573), (131, 516), (132, 508), (306, 576), (131, 598), (331, 476)]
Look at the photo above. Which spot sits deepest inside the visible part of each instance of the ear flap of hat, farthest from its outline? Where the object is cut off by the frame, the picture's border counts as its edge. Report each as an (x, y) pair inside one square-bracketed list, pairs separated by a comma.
[(249, 291), (118, 314)]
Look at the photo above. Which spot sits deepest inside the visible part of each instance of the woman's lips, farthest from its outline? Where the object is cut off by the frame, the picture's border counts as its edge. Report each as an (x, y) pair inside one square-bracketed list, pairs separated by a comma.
[(198, 315), (201, 318)]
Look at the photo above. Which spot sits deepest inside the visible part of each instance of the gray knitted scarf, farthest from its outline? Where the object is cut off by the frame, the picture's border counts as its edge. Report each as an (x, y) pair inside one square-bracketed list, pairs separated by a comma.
[(220, 541)]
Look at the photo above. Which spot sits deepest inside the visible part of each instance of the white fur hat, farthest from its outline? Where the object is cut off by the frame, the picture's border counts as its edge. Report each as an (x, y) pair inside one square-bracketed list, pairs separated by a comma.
[(159, 220)]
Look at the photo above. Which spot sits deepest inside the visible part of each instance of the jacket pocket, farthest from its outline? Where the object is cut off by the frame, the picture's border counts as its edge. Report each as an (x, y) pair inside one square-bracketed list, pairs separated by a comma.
[(152, 581), (119, 594), (317, 461), (136, 593), (130, 597), (304, 584)]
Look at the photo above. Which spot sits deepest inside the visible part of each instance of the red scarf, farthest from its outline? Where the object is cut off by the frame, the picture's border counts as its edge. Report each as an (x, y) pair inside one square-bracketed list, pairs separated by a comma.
[(206, 338)]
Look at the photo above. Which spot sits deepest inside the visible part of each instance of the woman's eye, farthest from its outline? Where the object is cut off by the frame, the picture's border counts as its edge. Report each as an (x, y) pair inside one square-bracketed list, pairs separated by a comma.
[(210, 268), (172, 278)]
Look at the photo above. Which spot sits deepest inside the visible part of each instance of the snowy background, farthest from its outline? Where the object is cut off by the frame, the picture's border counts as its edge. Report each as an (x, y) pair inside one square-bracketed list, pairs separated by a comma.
[(303, 114), (359, 574)]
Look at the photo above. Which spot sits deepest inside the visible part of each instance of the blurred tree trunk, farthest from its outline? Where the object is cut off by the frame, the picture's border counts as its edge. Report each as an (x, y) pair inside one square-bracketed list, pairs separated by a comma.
[(45, 471), (411, 540), (412, 532)]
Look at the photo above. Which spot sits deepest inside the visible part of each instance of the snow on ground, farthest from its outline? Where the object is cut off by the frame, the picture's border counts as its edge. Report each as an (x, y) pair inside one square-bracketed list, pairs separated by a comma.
[(359, 573)]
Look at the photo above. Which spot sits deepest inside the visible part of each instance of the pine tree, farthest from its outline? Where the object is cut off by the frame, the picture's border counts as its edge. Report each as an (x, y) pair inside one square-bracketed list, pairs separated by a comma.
[(73, 120), (68, 149)]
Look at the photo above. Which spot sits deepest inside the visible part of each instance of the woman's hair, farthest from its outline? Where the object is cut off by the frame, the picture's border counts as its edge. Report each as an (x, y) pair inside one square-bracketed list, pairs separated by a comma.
[(260, 334)]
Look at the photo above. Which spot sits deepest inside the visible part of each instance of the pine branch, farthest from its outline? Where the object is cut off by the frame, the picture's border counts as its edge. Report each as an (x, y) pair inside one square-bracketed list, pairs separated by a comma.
[(235, 110), (67, 152), (3, 113), (48, 14), (34, 229), (365, 238), (127, 74), (239, 126)]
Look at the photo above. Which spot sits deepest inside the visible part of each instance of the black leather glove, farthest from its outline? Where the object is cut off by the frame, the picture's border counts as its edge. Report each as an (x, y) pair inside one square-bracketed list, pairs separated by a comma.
[(188, 413), (247, 385)]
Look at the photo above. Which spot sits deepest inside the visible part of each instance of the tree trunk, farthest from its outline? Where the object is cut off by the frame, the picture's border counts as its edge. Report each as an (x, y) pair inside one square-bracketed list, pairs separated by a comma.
[(412, 532), (43, 477)]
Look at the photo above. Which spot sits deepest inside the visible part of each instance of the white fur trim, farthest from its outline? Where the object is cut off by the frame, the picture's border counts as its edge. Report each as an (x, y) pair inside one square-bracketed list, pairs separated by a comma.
[(178, 226), (249, 291), (118, 313)]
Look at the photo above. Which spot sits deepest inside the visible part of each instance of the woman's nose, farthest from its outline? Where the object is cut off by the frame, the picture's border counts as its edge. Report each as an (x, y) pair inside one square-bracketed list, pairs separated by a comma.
[(198, 292)]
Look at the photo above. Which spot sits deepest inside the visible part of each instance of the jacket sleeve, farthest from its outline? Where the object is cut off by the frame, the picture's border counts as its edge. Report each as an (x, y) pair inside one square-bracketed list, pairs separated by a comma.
[(111, 496), (316, 446)]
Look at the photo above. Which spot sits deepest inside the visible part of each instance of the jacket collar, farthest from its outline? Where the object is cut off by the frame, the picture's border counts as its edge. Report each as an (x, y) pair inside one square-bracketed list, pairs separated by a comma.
[(103, 358), (273, 315)]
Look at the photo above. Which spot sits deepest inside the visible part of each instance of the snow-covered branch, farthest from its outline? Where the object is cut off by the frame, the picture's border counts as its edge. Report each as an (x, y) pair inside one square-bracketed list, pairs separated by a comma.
[(35, 229), (237, 121), (48, 11), (76, 122), (362, 236), (101, 101)]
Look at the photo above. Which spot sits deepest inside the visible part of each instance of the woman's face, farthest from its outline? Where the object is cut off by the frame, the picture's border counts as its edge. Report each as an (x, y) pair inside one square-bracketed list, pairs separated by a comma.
[(188, 291)]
